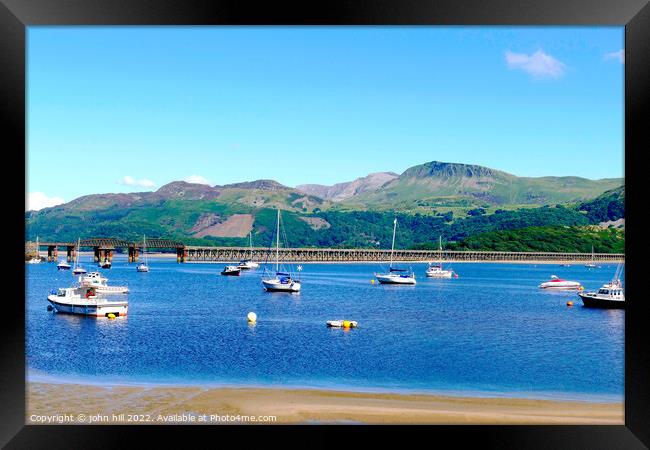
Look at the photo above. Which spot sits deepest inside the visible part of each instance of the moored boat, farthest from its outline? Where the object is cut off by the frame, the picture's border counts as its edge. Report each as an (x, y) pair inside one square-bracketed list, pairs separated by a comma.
[(86, 301), (143, 267), (63, 265), (282, 281), (106, 264), (342, 323), (556, 283), (249, 264), (36, 259), (231, 270), (100, 284), (395, 276), (435, 270), (610, 295), (78, 270)]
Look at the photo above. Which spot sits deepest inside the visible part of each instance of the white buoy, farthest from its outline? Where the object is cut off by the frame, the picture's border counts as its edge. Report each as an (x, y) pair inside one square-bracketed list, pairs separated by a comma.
[(252, 317)]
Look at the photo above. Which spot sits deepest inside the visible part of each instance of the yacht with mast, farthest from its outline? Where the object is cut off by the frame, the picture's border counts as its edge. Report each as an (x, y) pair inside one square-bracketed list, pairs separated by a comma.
[(591, 264), (78, 270), (282, 281), (143, 267), (395, 276), (36, 259), (248, 264), (435, 270)]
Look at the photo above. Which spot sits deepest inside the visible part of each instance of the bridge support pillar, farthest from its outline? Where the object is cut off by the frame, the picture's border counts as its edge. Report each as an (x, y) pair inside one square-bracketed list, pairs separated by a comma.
[(96, 251), (133, 254), (181, 254), (52, 253), (70, 252)]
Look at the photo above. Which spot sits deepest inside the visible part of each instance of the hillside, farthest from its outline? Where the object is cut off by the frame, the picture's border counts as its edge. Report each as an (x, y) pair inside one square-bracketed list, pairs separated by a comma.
[(441, 185), (343, 191), (547, 239), (609, 206)]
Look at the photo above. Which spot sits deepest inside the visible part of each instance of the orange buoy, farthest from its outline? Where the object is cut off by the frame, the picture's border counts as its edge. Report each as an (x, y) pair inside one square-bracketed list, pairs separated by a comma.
[(569, 303)]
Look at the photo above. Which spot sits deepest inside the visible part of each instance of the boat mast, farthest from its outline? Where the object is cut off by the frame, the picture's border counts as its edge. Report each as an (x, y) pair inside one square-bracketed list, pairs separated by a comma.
[(392, 247), (277, 244), (440, 251), (250, 236), (144, 248)]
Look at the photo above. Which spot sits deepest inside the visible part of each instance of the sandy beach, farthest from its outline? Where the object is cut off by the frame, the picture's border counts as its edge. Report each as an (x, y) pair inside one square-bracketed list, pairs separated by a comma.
[(86, 404)]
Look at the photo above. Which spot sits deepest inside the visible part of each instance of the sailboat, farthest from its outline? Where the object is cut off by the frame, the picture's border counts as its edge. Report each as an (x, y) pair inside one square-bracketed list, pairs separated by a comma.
[(143, 267), (436, 270), (78, 270), (246, 264), (591, 264), (395, 276), (281, 281), (36, 259)]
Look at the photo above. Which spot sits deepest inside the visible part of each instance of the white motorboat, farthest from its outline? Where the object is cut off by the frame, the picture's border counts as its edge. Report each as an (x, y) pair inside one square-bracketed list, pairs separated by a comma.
[(36, 259), (86, 301), (610, 295), (556, 283), (100, 284), (106, 264), (395, 276), (282, 281), (435, 270), (249, 264), (63, 265), (143, 267), (231, 271), (78, 270)]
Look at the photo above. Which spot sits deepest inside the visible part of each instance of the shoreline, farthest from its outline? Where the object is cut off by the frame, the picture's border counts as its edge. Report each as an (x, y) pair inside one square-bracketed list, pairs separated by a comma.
[(300, 405)]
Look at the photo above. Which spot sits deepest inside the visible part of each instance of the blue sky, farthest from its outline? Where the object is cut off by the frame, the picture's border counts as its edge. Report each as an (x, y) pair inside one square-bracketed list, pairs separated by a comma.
[(123, 109)]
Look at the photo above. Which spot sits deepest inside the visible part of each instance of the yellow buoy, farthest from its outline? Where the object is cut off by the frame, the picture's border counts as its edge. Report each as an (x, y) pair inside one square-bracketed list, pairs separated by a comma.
[(372, 281), (569, 303), (111, 316), (346, 324), (252, 317)]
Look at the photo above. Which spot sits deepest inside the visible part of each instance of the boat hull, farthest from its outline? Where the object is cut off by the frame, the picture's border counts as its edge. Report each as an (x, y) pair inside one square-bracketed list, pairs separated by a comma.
[(277, 286), (142, 269), (92, 309), (231, 273), (388, 279), (591, 301), (63, 267), (444, 274)]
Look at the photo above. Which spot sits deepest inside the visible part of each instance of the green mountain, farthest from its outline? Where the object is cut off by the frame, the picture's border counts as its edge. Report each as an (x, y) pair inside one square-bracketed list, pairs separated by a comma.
[(440, 185)]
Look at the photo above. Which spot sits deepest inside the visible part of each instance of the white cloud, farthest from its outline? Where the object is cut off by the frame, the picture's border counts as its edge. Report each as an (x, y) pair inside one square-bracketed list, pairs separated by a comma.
[(38, 200), (538, 64), (130, 181), (619, 55), (198, 179)]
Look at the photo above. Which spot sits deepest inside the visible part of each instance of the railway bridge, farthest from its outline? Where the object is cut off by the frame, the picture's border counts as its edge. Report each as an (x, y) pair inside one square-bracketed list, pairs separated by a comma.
[(226, 254), (104, 248)]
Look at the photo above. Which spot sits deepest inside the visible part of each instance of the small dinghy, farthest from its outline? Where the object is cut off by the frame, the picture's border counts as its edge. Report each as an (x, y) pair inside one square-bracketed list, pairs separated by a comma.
[(342, 323)]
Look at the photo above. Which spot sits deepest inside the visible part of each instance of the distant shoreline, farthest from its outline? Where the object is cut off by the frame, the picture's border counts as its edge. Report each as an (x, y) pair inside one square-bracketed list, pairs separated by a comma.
[(301, 406)]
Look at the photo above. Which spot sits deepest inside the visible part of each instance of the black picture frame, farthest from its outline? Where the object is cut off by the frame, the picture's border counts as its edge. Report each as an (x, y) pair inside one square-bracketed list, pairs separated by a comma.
[(16, 15)]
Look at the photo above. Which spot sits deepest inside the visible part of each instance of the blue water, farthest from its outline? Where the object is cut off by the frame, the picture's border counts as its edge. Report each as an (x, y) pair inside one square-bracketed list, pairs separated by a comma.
[(489, 332)]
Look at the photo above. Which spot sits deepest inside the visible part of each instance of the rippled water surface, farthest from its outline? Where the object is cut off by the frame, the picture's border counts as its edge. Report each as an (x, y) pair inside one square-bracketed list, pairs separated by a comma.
[(490, 331)]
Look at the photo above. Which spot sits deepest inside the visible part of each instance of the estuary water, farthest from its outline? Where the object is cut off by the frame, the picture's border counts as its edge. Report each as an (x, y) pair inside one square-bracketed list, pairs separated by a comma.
[(490, 332)]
